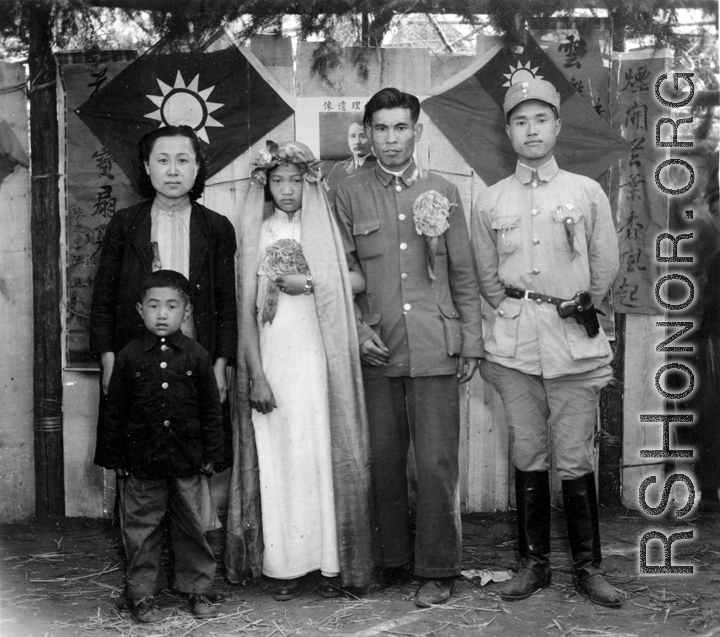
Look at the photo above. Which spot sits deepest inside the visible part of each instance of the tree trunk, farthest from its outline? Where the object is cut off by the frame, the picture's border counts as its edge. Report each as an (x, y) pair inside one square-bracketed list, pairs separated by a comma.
[(47, 282)]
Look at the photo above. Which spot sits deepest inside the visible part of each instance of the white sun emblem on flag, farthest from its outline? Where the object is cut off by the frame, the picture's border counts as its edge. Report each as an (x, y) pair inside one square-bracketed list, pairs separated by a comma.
[(521, 73), (185, 104)]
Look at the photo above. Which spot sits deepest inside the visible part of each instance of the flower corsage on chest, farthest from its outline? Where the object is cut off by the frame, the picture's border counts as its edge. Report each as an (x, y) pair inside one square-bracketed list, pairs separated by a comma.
[(431, 212), (569, 215), (284, 256)]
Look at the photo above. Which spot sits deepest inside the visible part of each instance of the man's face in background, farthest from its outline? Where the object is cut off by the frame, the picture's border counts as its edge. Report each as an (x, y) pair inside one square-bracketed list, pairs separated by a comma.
[(358, 141)]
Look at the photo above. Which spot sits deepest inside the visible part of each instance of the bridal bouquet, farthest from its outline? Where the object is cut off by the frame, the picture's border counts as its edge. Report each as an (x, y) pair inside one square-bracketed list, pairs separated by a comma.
[(284, 256), (430, 214)]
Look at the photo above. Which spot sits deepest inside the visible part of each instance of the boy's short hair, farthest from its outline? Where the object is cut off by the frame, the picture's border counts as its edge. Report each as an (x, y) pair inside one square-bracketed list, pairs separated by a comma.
[(389, 98), (165, 279)]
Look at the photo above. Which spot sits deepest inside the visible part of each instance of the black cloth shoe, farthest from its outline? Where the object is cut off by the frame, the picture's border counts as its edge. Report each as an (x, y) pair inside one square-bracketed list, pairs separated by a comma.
[(435, 591), (289, 589), (329, 587), (201, 607), (532, 495), (581, 516), (145, 611)]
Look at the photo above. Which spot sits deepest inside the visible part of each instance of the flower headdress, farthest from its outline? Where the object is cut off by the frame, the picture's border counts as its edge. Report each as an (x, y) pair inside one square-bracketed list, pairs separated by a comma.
[(291, 153)]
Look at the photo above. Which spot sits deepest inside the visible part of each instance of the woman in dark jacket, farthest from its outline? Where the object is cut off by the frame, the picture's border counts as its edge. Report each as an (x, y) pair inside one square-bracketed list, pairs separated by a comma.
[(168, 230)]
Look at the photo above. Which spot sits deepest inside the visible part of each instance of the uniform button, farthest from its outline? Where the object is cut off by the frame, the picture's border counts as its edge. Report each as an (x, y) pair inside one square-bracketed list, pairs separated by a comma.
[(401, 216), (538, 301), (534, 184), (534, 211), (189, 372), (404, 276), (166, 423), (162, 340), (164, 385), (164, 347), (137, 374), (403, 246), (407, 307), (163, 365), (197, 286), (536, 271), (536, 241), (501, 312)]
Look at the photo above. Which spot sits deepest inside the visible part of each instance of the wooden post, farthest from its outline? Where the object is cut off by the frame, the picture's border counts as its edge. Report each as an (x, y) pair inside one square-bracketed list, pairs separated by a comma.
[(611, 420), (612, 406), (47, 282)]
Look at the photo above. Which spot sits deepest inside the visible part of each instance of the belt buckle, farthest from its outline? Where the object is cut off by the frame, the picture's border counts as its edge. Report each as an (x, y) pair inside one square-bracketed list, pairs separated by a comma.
[(527, 294)]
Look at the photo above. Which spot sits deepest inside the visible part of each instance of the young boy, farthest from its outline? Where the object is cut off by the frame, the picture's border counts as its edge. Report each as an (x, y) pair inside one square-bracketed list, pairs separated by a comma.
[(164, 428)]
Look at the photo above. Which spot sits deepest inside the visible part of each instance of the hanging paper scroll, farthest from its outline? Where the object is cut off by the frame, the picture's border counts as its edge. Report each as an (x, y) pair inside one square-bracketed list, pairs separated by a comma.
[(642, 211), (96, 188)]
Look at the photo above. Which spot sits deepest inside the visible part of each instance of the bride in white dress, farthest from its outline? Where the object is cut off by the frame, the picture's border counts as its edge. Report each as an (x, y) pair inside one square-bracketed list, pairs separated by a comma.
[(288, 367)]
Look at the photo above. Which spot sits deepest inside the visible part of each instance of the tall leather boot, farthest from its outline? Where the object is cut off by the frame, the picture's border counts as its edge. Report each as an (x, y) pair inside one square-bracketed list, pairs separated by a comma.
[(581, 515), (532, 493)]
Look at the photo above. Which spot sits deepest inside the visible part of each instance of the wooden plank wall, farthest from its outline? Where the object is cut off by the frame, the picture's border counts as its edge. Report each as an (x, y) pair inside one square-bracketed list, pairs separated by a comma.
[(17, 460), (641, 397)]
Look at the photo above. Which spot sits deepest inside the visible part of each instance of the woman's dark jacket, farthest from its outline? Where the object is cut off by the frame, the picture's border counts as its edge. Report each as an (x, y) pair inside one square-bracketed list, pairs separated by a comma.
[(126, 260)]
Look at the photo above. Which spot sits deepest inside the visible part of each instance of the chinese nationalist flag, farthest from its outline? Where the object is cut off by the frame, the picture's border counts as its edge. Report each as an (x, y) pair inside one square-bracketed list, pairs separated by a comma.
[(468, 110), (218, 89)]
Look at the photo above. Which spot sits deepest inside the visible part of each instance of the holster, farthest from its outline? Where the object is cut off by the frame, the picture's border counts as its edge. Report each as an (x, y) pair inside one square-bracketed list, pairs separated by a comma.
[(581, 308)]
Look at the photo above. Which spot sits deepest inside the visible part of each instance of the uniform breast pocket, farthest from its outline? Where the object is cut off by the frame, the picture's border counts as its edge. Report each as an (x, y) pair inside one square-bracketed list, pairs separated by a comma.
[(141, 381), (569, 231), (187, 370), (507, 233), (368, 241), (187, 377)]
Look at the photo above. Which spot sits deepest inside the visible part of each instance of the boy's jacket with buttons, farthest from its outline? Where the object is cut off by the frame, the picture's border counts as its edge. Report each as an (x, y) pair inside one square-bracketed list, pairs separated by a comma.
[(164, 417)]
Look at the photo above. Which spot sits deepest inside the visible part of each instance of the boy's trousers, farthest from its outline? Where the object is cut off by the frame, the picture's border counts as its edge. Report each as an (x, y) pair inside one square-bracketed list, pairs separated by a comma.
[(145, 502)]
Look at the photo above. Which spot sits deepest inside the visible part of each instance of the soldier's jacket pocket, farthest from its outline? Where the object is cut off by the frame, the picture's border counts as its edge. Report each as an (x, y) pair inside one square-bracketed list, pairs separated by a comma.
[(503, 337), (507, 233)]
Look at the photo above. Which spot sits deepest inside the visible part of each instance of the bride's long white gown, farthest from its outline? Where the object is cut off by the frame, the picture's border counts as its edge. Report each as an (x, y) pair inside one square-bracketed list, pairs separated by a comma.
[(293, 441)]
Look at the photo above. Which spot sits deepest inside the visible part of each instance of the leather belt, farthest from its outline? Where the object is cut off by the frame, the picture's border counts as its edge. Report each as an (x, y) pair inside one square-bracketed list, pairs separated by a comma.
[(516, 293)]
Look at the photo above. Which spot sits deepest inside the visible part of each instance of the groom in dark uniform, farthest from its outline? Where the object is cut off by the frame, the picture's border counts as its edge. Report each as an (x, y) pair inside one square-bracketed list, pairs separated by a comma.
[(419, 331)]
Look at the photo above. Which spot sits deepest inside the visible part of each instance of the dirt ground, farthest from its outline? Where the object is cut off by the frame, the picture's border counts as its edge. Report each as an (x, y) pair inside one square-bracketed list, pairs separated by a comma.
[(61, 577)]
